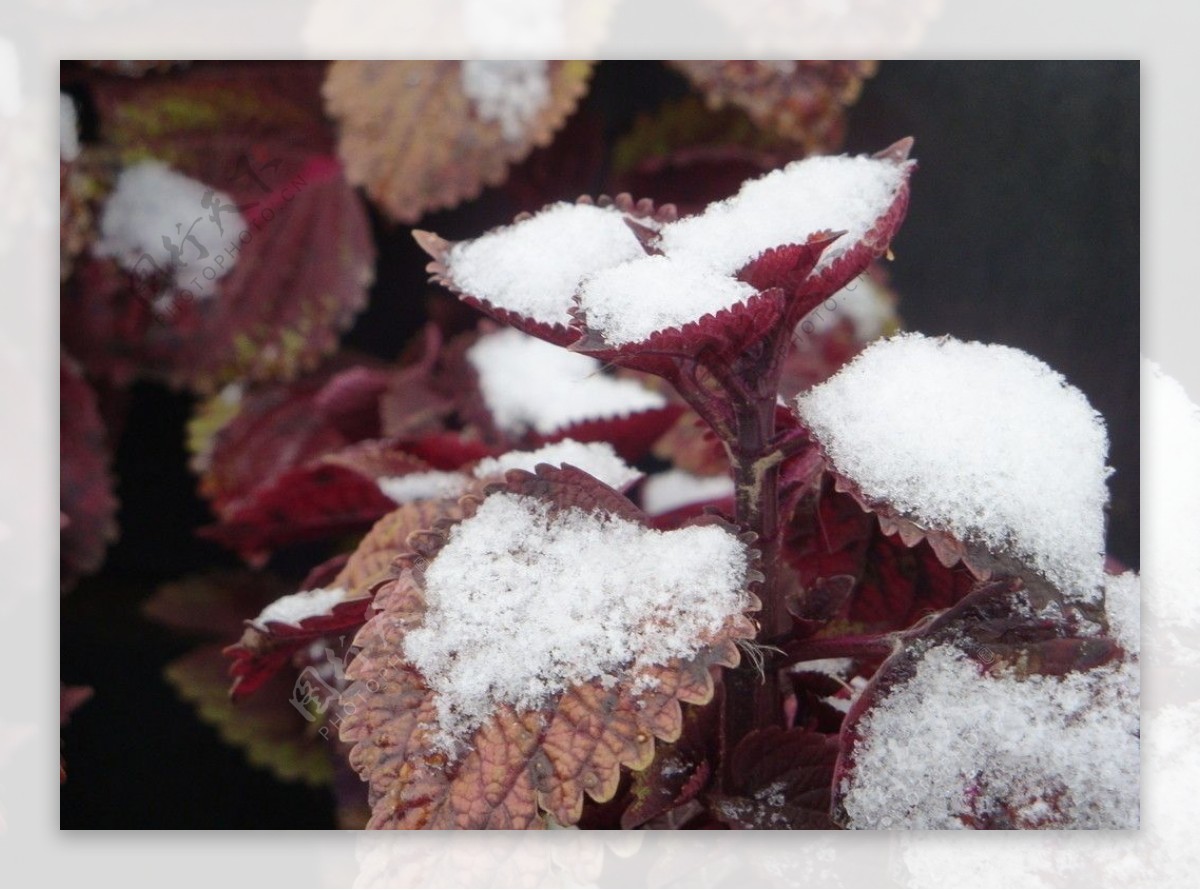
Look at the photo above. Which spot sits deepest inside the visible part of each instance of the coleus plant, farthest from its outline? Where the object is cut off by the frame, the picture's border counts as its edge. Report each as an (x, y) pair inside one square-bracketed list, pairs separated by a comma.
[(908, 550)]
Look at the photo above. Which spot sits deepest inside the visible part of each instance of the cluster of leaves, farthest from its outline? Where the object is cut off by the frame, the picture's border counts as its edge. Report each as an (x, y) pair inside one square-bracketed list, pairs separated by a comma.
[(295, 444)]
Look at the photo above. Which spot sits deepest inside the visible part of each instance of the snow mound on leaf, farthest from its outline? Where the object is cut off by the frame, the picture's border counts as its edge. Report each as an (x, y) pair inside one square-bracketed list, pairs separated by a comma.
[(534, 267), (296, 607), (1171, 560), (700, 254), (982, 440), (152, 205), (629, 302), (598, 459), (510, 93), (786, 206), (1057, 752), (524, 602), (530, 384), (664, 492), (423, 486)]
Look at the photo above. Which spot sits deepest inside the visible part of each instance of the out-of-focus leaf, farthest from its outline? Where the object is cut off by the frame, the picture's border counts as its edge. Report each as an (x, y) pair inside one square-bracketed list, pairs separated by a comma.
[(300, 267), (86, 491), (411, 134), (269, 729), (240, 439), (335, 494), (803, 101), (70, 698), (213, 605), (690, 155)]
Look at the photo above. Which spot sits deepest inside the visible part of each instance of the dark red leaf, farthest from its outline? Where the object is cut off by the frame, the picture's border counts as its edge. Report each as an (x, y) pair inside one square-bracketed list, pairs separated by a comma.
[(86, 491)]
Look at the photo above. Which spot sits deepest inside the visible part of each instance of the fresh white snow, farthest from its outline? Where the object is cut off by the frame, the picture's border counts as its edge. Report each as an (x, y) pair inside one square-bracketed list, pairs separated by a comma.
[(510, 93), (524, 602), (534, 267), (530, 384), (423, 486), (982, 440), (786, 206), (701, 253), (629, 302), (158, 219), (596, 458), (1171, 522), (295, 607), (951, 742), (1123, 608), (667, 491)]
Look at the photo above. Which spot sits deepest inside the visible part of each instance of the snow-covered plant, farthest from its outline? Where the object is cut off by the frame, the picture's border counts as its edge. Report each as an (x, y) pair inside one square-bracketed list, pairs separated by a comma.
[(682, 534), (900, 621)]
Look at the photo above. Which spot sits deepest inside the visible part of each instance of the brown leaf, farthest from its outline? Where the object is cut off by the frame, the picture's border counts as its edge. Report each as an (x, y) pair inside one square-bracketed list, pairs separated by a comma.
[(804, 101), (516, 765), (410, 134)]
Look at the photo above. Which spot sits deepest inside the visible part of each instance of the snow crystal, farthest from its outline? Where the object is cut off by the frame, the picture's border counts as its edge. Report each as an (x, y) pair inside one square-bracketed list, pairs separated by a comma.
[(664, 492), (528, 383), (629, 302), (1171, 476), (982, 440), (158, 219), (786, 206), (295, 607), (68, 128), (510, 93), (423, 486), (597, 458), (534, 267), (951, 742), (1123, 608), (524, 602)]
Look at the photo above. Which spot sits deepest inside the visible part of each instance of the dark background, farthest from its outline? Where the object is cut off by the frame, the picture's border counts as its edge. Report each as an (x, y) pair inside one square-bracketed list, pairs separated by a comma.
[(1022, 230)]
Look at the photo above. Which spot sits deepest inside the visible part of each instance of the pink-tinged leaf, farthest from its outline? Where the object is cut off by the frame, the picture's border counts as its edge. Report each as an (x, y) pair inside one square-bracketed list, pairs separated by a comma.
[(780, 780), (691, 446), (803, 101), (86, 494), (335, 494), (520, 761), (411, 161)]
